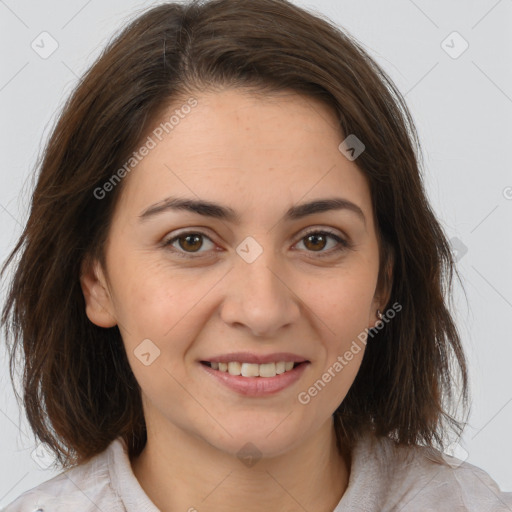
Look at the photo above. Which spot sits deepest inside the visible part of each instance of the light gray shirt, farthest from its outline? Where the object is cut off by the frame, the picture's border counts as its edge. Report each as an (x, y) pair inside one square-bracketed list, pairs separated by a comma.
[(383, 478)]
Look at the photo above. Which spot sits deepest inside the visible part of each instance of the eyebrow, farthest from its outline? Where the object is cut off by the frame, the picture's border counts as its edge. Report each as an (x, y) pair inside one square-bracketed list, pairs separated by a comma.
[(217, 211)]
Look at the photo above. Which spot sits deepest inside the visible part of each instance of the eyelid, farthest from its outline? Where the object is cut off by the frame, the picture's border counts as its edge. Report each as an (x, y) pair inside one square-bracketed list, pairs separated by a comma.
[(168, 241), (304, 232), (328, 230), (343, 241)]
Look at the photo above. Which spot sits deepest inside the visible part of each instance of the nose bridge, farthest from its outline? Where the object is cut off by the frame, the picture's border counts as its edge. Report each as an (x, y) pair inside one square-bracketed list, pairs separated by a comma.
[(258, 296)]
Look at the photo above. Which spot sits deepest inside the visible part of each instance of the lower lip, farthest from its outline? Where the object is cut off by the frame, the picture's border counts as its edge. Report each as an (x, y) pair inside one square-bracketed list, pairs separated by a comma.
[(257, 386)]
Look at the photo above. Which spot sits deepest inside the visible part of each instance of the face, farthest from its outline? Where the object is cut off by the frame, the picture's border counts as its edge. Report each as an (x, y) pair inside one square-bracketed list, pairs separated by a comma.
[(187, 288)]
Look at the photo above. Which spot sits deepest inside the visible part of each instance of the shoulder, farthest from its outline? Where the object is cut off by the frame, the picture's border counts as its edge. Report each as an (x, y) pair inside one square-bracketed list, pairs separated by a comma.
[(431, 478), (85, 487), (412, 478)]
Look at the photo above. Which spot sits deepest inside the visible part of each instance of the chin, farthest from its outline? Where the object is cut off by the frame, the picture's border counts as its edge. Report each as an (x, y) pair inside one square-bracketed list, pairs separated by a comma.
[(253, 439)]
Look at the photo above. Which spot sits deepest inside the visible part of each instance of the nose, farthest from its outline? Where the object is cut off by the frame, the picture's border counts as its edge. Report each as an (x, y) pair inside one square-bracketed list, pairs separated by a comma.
[(259, 296)]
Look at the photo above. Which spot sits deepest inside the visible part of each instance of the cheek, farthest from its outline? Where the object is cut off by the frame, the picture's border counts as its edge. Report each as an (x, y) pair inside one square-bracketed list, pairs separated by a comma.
[(342, 302), (341, 308), (149, 296), (168, 310), (330, 382)]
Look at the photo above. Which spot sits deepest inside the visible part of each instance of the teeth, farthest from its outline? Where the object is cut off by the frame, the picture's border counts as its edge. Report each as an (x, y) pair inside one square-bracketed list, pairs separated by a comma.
[(254, 370), (249, 370), (268, 370), (234, 368)]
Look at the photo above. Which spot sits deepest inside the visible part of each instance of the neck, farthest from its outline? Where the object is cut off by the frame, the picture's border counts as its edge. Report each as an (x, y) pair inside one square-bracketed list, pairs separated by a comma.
[(180, 472)]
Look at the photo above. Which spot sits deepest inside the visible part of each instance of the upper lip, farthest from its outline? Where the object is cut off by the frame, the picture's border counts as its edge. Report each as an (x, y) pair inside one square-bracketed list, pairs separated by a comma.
[(248, 357)]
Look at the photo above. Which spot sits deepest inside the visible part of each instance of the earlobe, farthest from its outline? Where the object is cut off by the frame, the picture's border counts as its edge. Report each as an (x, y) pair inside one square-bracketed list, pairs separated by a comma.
[(98, 304)]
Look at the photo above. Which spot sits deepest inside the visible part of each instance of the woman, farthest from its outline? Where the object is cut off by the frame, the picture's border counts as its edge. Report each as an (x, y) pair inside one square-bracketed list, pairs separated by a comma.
[(230, 292)]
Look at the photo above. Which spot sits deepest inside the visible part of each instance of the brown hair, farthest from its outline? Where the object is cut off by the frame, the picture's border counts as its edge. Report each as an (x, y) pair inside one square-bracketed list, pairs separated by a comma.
[(79, 392)]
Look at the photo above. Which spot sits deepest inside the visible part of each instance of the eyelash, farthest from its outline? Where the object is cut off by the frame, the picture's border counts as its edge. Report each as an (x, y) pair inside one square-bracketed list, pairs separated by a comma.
[(343, 244)]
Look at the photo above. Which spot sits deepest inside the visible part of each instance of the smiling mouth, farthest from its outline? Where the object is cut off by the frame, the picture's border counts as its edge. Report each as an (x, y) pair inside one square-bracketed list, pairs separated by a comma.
[(253, 370)]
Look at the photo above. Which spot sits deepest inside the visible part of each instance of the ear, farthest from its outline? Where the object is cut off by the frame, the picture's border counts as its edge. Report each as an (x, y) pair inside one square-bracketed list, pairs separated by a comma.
[(384, 286), (98, 303)]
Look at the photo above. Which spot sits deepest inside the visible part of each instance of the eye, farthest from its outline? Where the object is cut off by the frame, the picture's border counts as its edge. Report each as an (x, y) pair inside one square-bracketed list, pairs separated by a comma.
[(189, 243), (316, 240)]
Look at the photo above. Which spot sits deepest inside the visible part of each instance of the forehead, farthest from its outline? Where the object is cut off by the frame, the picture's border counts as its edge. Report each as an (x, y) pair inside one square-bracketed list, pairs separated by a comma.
[(248, 152)]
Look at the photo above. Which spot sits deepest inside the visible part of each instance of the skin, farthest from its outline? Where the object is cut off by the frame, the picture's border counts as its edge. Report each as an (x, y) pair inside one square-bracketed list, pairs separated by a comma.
[(258, 156)]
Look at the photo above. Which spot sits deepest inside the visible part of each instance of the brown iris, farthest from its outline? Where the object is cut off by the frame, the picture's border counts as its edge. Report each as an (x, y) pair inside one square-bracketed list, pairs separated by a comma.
[(194, 238), (314, 237)]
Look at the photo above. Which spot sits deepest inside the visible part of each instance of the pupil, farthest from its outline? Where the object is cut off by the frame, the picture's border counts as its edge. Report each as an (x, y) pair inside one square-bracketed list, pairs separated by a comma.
[(188, 237), (316, 237)]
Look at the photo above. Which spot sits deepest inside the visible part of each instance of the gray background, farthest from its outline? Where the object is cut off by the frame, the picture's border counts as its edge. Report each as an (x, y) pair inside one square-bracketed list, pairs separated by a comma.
[(463, 111)]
